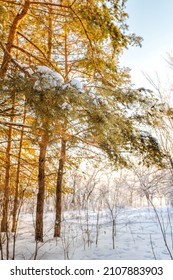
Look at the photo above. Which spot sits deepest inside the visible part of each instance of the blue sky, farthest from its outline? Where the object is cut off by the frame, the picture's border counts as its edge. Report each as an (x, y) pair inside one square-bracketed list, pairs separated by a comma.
[(152, 20)]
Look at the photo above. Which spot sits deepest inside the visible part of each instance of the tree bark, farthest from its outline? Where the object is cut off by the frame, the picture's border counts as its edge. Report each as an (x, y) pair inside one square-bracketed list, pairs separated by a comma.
[(50, 32), (4, 222), (57, 228), (41, 187), (16, 197)]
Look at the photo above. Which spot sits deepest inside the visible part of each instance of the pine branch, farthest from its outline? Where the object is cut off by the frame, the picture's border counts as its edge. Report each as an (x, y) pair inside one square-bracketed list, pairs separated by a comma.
[(11, 37), (83, 26), (13, 60), (34, 45), (48, 4), (15, 124), (11, 2), (28, 54)]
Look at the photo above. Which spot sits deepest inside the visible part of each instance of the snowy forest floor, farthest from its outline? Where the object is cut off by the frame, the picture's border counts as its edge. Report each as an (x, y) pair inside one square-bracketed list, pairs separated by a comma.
[(140, 234)]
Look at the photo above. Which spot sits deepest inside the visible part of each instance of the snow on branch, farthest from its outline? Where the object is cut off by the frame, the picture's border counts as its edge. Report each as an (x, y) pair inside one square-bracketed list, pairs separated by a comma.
[(47, 79), (15, 124)]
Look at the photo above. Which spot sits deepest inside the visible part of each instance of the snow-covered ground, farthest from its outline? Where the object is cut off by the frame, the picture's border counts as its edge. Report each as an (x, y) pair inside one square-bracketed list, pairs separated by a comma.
[(87, 235)]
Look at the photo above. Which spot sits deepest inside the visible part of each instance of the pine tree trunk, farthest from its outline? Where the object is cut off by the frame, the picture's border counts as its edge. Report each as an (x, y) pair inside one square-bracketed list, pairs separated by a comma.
[(43, 148), (16, 198), (41, 188), (50, 32), (57, 228), (4, 222)]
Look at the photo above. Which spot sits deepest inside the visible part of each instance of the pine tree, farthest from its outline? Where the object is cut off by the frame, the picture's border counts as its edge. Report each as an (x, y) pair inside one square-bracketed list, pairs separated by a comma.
[(83, 40)]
